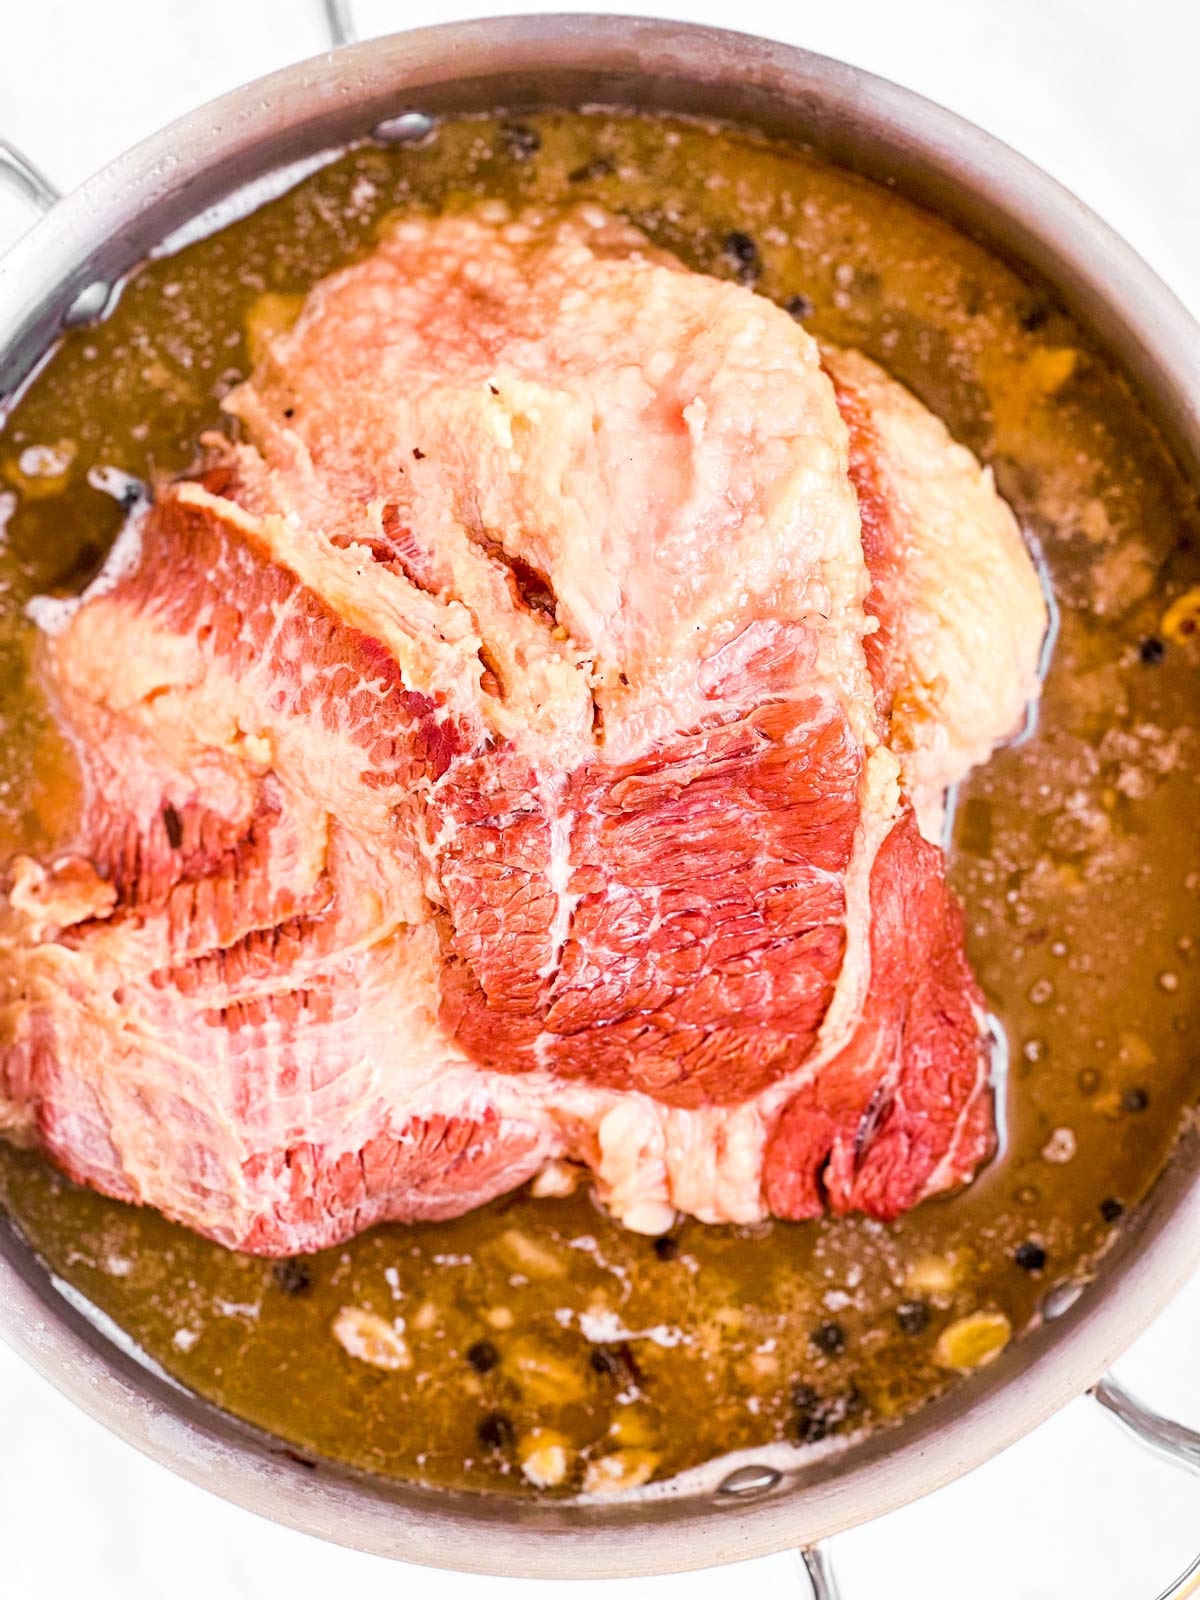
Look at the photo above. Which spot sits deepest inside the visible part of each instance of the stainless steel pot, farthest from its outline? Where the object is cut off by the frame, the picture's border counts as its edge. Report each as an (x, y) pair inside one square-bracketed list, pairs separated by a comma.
[(88, 240)]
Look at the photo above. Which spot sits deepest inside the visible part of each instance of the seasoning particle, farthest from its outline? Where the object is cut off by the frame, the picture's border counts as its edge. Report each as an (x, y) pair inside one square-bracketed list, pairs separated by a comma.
[(601, 167), (545, 1458), (973, 1341), (521, 141), (817, 1415), (1059, 1148), (934, 1275), (496, 1431), (1182, 619), (483, 1355), (371, 1338), (292, 1275), (622, 1470), (605, 1362), (829, 1339), (1030, 1256), (913, 1317), (741, 250)]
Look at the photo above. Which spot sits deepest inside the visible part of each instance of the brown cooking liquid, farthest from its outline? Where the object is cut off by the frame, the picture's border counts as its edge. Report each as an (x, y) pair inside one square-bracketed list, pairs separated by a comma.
[(1076, 851)]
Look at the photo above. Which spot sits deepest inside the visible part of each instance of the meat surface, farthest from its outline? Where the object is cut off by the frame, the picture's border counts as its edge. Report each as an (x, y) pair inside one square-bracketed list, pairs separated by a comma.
[(959, 609), (504, 753)]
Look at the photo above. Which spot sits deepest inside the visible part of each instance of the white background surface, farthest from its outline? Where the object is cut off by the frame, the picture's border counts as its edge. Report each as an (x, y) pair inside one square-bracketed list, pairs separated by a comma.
[(1103, 94)]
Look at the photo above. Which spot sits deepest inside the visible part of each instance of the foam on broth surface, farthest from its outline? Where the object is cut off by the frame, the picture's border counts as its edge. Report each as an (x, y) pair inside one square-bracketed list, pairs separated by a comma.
[(1076, 852)]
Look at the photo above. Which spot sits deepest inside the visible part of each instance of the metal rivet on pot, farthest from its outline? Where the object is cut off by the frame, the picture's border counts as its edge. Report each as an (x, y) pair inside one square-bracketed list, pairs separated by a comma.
[(1061, 1298), (744, 1481), (410, 127), (93, 303)]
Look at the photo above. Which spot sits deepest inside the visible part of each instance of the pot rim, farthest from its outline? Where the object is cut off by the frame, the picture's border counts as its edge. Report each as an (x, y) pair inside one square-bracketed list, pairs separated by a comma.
[(108, 224)]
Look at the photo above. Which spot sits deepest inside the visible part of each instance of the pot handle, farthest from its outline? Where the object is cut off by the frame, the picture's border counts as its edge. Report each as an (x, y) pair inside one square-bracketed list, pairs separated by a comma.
[(1171, 1440), (25, 179), (18, 173), (339, 22)]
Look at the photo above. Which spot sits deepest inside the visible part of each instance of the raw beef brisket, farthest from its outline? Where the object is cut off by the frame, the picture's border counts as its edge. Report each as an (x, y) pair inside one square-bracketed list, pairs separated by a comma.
[(503, 754)]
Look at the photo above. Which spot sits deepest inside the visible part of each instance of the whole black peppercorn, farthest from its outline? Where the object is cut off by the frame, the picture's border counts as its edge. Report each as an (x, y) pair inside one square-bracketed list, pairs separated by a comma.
[(1152, 650), (666, 1248), (521, 141), (1036, 317), (741, 249), (811, 1427), (605, 1362), (798, 306), (617, 1361), (913, 1317), (1135, 1100), (812, 1419), (293, 1275), (826, 1420), (496, 1431), (1030, 1256), (1111, 1210), (817, 1415), (483, 1355), (829, 1339)]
